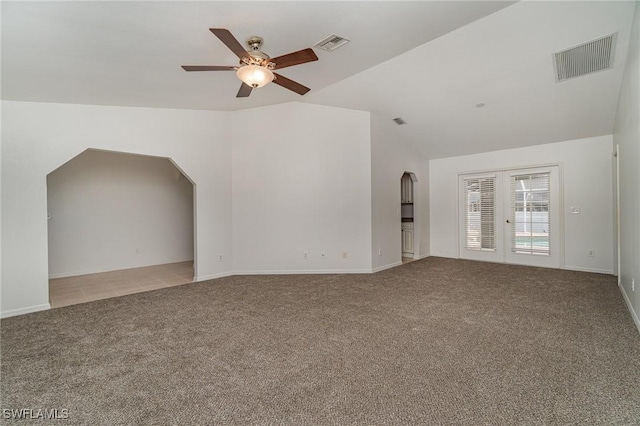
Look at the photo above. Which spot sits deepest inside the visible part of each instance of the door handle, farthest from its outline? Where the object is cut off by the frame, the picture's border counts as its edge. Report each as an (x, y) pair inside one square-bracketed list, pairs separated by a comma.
[(508, 221)]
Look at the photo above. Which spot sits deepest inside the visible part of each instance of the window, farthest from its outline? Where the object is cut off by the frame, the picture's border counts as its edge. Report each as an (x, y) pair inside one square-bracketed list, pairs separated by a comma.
[(529, 218), (480, 213)]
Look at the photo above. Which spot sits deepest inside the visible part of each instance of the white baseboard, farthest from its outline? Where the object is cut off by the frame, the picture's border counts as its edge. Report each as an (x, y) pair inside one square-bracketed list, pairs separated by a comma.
[(213, 276), (23, 311), (389, 266), (448, 255), (304, 272), (422, 256), (636, 321), (300, 272), (594, 270), (70, 274)]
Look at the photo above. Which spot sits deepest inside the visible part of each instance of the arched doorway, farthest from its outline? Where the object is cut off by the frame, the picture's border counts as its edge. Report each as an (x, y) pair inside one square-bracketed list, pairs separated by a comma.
[(118, 224), (408, 217)]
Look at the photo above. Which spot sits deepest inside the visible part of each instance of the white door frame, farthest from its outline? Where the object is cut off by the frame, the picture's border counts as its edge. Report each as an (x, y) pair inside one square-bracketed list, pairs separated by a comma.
[(552, 260), (617, 166), (501, 215), (485, 255)]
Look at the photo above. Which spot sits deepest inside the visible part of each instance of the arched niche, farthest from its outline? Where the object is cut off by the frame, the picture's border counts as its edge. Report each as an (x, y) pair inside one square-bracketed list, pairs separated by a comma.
[(409, 213)]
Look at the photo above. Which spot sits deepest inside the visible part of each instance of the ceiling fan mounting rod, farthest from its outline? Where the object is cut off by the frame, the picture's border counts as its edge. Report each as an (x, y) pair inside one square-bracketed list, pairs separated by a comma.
[(256, 56), (255, 42)]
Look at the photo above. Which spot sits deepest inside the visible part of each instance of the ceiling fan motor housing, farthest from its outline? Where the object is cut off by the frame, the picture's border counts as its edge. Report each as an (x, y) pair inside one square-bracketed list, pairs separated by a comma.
[(256, 56)]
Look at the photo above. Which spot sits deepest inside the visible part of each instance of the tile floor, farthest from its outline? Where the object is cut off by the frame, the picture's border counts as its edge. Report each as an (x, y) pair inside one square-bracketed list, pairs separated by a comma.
[(86, 288)]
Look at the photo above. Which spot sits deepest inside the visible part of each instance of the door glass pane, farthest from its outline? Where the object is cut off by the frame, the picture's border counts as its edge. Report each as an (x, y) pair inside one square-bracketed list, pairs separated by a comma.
[(480, 213), (530, 220)]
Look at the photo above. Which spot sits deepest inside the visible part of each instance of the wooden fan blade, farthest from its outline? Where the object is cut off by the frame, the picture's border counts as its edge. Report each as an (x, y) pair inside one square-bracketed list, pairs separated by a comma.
[(245, 90), (295, 58), (290, 84), (230, 41), (207, 68)]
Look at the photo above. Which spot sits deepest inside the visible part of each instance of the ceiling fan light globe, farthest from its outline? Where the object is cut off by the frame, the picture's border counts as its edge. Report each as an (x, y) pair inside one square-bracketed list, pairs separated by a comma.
[(255, 75)]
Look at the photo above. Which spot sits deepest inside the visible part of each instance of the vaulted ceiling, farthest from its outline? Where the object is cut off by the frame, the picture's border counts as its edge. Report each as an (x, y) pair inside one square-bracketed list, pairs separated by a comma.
[(428, 62)]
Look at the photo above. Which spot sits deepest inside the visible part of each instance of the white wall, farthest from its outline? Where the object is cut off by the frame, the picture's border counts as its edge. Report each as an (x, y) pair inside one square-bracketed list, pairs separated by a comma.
[(627, 136), (1, 239), (113, 211), (587, 182), (390, 158), (301, 183), (37, 138)]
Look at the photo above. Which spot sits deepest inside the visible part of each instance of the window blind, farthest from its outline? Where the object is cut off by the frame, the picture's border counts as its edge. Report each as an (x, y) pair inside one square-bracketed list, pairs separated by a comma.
[(480, 213), (529, 213)]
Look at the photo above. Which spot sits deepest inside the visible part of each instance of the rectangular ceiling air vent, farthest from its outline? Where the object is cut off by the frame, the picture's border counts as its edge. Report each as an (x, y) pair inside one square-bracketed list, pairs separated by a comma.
[(331, 43), (399, 121), (586, 58)]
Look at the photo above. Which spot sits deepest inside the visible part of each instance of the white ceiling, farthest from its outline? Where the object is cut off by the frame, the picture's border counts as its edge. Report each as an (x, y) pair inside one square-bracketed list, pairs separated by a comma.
[(428, 62), (504, 61)]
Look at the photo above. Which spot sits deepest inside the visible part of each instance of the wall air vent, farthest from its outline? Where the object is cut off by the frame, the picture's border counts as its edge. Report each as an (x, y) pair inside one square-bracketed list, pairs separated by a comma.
[(331, 43), (399, 121), (584, 59)]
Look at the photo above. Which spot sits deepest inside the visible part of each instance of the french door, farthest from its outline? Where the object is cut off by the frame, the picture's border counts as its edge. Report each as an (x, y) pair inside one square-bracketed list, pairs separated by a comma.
[(511, 216)]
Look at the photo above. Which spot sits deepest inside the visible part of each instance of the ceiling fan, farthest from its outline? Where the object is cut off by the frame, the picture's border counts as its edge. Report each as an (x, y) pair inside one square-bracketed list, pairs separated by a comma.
[(256, 67)]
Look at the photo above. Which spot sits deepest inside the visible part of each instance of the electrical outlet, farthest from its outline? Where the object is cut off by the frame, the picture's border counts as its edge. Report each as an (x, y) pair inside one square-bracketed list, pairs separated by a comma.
[(345, 254), (592, 253), (633, 284), (220, 258), (305, 255), (379, 252)]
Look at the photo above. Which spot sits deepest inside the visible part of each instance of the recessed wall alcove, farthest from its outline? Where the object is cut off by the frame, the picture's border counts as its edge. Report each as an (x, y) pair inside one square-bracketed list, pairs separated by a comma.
[(409, 217), (117, 224)]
